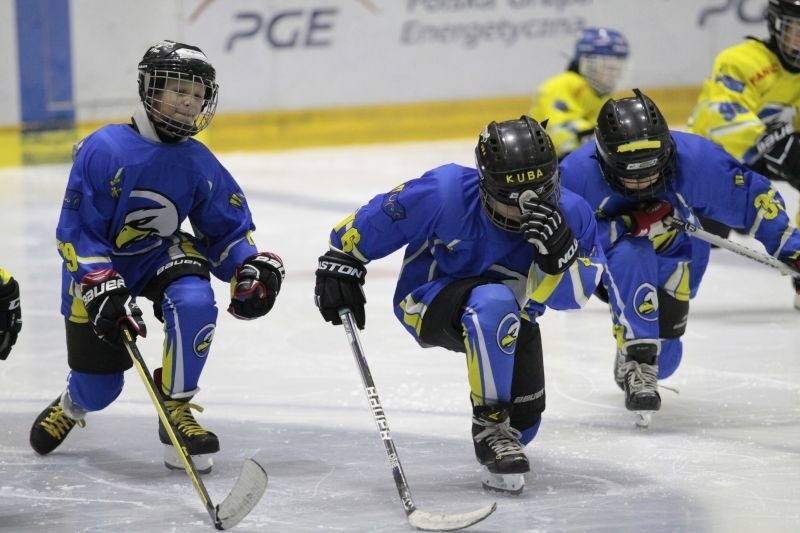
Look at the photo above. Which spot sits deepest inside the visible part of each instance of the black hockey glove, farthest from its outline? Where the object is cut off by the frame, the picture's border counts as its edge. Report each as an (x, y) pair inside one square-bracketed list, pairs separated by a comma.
[(110, 306), (779, 148), (545, 228), (256, 285), (340, 280), (10, 316)]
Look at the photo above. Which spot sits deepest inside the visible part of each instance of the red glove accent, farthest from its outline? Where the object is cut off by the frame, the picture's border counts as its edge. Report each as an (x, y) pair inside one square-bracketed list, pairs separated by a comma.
[(649, 219)]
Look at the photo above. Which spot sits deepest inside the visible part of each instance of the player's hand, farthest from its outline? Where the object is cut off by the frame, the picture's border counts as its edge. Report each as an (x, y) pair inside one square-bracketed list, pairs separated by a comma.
[(256, 285), (648, 221), (110, 306), (10, 316), (544, 226), (340, 280)]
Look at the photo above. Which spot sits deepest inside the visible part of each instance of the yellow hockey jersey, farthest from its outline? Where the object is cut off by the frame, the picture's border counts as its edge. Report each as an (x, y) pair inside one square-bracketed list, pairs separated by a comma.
[(571, 106), (748, 89)]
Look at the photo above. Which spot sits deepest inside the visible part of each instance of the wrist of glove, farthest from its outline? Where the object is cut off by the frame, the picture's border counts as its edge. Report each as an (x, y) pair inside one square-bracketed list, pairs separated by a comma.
[(10, 316), (544, 226), (110, 306), (256, 285), (649, 220), (340, 280)]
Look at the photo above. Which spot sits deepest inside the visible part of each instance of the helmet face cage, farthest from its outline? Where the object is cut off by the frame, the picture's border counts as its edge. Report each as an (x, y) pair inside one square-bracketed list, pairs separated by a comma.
[(783, 18), (513, 157), (602, 72), (602, 55), (634, 147), (177, 88)]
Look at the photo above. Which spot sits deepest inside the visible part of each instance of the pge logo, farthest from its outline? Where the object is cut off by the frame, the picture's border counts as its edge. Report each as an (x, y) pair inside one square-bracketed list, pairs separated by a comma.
[(749, 14), (292, 28)]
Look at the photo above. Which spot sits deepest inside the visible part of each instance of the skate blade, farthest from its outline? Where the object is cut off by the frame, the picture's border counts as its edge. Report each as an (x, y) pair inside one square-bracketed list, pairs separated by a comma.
[(203, 463), (504, 483), (643, 418)]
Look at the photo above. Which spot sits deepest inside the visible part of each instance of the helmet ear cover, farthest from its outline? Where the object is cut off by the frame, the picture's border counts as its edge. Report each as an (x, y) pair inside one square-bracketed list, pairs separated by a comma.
[(633, 143), (513, 157)]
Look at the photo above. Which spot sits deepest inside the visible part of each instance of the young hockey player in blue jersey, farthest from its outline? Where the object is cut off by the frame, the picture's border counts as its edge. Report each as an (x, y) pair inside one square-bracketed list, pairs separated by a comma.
[(130, 189), (469, 249), (10, 313), (635, 174)]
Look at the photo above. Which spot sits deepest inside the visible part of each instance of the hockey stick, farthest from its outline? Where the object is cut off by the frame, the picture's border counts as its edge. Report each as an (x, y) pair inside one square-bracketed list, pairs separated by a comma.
[(734, 247), (418, 519), (252, 482)]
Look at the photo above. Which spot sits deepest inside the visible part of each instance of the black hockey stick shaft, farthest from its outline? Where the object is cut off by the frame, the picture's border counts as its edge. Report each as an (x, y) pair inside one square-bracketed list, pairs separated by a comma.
[(174, 436), (350, 328), (729, 245)]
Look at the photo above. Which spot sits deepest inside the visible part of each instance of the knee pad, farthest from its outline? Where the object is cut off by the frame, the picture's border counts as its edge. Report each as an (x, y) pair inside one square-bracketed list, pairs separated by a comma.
[(93, 392), (190, 294), (527, 387), (670, 358)]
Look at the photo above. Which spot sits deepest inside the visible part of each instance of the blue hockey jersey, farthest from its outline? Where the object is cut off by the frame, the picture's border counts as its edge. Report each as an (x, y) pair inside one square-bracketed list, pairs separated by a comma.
[(448, 236), (127, 198), (707, 181)]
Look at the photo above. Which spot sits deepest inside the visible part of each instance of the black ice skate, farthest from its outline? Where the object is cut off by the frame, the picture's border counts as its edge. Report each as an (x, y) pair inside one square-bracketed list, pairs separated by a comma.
[(53, 425), (200, 443), (796, 283), (636, 372), (497, 447)]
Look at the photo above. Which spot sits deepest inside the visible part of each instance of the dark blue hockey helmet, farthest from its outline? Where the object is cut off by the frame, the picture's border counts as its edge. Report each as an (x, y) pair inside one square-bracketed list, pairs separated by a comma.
[(601, 57)]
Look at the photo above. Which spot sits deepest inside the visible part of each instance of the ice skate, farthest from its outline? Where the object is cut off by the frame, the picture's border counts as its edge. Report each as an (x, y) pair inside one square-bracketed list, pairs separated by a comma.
[(200, 443), (498, 449), (796, 293), (53, 424), (636, 373)]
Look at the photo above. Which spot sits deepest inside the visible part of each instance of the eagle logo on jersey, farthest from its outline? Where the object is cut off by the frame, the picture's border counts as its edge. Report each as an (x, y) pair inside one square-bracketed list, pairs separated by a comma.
[(154, 216), (507, 333), (645, 302)]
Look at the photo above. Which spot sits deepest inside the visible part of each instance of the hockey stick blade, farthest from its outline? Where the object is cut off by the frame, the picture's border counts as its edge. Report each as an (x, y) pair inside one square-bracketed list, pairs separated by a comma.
[(448, 522), (244, 495)]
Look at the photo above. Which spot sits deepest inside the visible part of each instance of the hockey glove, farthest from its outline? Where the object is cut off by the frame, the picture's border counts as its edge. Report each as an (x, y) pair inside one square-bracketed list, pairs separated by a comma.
[(648, 220), (779, 150), (340, 280), (110, 306), (256, 285), (545, 228), (10, 316)]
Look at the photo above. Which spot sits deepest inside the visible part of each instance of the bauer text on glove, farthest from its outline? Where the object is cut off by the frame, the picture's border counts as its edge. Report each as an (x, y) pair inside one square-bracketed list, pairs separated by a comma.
[(110, 306)]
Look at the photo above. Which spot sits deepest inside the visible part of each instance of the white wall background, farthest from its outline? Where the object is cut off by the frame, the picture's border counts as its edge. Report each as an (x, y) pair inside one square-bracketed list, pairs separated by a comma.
[(299, 54)]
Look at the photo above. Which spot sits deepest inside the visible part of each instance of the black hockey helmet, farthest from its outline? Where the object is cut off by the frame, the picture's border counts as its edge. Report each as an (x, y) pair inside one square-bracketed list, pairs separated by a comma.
[(783, 21), (512, 157), (170, 60), (634, 146)]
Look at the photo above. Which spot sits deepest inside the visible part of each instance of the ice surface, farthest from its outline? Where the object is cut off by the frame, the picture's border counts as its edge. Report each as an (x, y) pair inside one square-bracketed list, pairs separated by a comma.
[(722, 455)]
